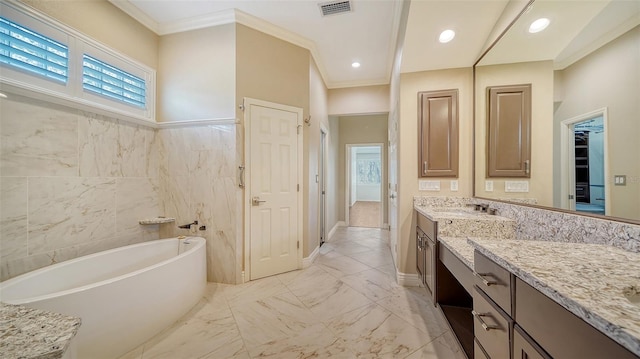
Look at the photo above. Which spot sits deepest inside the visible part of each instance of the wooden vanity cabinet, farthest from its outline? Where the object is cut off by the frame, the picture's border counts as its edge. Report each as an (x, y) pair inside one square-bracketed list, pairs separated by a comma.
[(524, 347), (492, 308), (426, 252), (438, 133), (514, 320), (492, 327), (559, 332)]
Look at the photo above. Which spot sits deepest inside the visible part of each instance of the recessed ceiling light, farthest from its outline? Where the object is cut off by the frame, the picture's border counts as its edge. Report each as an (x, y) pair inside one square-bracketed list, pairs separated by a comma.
[(539, 25), (446, 36), (355, 65)]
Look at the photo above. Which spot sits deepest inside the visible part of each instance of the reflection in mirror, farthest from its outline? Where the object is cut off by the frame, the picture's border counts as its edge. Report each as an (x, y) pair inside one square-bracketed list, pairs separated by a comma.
[(584, 71)]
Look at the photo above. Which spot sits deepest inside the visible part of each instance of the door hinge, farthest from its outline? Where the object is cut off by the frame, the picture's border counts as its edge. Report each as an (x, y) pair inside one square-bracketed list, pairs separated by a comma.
[(298, 129), (298, 186), (298, 244)]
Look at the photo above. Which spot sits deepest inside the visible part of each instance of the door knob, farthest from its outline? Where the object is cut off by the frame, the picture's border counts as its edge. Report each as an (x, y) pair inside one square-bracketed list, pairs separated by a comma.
[(256, 201)]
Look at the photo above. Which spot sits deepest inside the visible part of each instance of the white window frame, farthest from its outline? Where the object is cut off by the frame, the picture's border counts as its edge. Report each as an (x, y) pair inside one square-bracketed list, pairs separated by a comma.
[(72, 94)]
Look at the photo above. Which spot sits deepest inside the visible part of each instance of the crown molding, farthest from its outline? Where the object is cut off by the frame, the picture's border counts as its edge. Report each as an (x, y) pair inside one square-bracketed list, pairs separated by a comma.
[(357, 83), (198, 22), (133, 11)]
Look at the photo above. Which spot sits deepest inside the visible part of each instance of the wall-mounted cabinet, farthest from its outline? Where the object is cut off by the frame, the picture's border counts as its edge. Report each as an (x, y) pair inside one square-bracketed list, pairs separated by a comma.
[(509, 131), (438, 133)]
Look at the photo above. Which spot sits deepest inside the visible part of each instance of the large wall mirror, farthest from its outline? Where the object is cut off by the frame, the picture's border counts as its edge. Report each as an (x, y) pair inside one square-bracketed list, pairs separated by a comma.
[(584, 72)]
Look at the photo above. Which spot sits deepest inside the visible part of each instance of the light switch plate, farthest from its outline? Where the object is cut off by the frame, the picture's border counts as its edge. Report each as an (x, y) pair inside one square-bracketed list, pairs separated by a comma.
[(620, 180), (454, 185), (488, 186), (428, 185), (516, 186)]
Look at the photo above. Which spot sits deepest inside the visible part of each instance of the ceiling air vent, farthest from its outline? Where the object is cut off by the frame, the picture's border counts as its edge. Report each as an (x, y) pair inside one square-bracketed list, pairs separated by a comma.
[(335, 7)]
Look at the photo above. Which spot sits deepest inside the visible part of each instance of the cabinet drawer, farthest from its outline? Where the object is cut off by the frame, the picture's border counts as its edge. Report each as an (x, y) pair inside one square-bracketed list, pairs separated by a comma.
[(427, 226), (491, 327), (478, 352), (559, 332), (524, 347), (463, 274), (494, 280)]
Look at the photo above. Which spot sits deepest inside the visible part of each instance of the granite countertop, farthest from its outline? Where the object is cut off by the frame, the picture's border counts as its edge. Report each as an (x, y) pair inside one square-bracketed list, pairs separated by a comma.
[(464, 221), (460, 247), (589, 280), (33, 333)]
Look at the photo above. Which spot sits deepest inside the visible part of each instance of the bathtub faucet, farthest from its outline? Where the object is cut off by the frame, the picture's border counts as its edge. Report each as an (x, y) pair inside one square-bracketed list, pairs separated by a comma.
[(187, 226)]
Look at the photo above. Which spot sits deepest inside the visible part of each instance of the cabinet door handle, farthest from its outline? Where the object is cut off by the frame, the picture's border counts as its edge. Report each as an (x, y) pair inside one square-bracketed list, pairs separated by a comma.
[(527, 167), (484, 325), (424, 167), (486, 282)]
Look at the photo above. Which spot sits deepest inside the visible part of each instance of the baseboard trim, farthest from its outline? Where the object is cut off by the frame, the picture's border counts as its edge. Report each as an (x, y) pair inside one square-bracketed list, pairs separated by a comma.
[(408, 279), (333, 230), (308, 261)]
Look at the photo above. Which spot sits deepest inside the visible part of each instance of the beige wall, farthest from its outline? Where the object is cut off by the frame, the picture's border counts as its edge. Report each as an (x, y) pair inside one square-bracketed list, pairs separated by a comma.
[(359, 100), (271, 69), (358, 130), (609, 78), (196, 74), (101, 21), (540, 76), (410, 85)]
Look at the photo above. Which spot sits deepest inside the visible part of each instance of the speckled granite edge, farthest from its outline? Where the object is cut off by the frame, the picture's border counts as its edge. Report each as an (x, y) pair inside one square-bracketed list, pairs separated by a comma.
[(460, 247), (34, 333), (612, 330)]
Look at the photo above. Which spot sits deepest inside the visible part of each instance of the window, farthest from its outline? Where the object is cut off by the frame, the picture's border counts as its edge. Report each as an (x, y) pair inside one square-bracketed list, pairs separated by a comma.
[(109, 81), (32, 52), (42, 58)]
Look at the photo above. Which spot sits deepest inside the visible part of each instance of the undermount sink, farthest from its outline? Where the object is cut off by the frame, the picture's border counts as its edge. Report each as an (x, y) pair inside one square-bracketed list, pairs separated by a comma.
[(632, 294)]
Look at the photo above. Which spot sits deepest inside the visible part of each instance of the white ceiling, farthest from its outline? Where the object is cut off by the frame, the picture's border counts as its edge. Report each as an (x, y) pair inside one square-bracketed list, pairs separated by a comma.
[(576, 29), (367, 34)]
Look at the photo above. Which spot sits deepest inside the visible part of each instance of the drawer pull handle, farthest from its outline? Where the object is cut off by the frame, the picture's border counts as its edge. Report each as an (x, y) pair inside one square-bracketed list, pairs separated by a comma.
[(486, 282), (484, 325)]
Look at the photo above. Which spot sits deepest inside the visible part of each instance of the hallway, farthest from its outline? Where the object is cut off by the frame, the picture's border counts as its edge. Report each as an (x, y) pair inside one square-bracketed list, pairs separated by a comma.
[(345, 305)]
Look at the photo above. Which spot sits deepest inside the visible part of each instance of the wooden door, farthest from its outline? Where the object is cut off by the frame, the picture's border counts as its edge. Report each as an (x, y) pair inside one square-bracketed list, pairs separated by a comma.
[(274, 237)]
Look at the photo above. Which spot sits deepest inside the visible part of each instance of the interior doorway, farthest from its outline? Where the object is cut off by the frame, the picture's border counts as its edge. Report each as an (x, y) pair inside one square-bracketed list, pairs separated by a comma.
[(364, 192), (584, 163)]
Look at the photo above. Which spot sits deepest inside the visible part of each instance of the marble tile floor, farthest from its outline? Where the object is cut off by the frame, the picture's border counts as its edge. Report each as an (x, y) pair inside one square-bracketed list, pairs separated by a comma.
[(345, 305)]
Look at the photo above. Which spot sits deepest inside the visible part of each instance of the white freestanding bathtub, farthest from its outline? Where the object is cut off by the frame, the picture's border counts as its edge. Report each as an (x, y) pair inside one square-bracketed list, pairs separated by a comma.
[(124, 296)]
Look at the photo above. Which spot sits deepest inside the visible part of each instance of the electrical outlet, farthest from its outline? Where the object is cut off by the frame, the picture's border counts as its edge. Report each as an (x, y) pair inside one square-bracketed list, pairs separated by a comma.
[(516, 186), (454, 185), (488, 186), (429, 185)]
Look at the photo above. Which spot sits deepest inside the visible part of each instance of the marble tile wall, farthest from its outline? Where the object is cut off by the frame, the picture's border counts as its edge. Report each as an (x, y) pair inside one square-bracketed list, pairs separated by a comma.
[(198, 182), (71, 183)]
